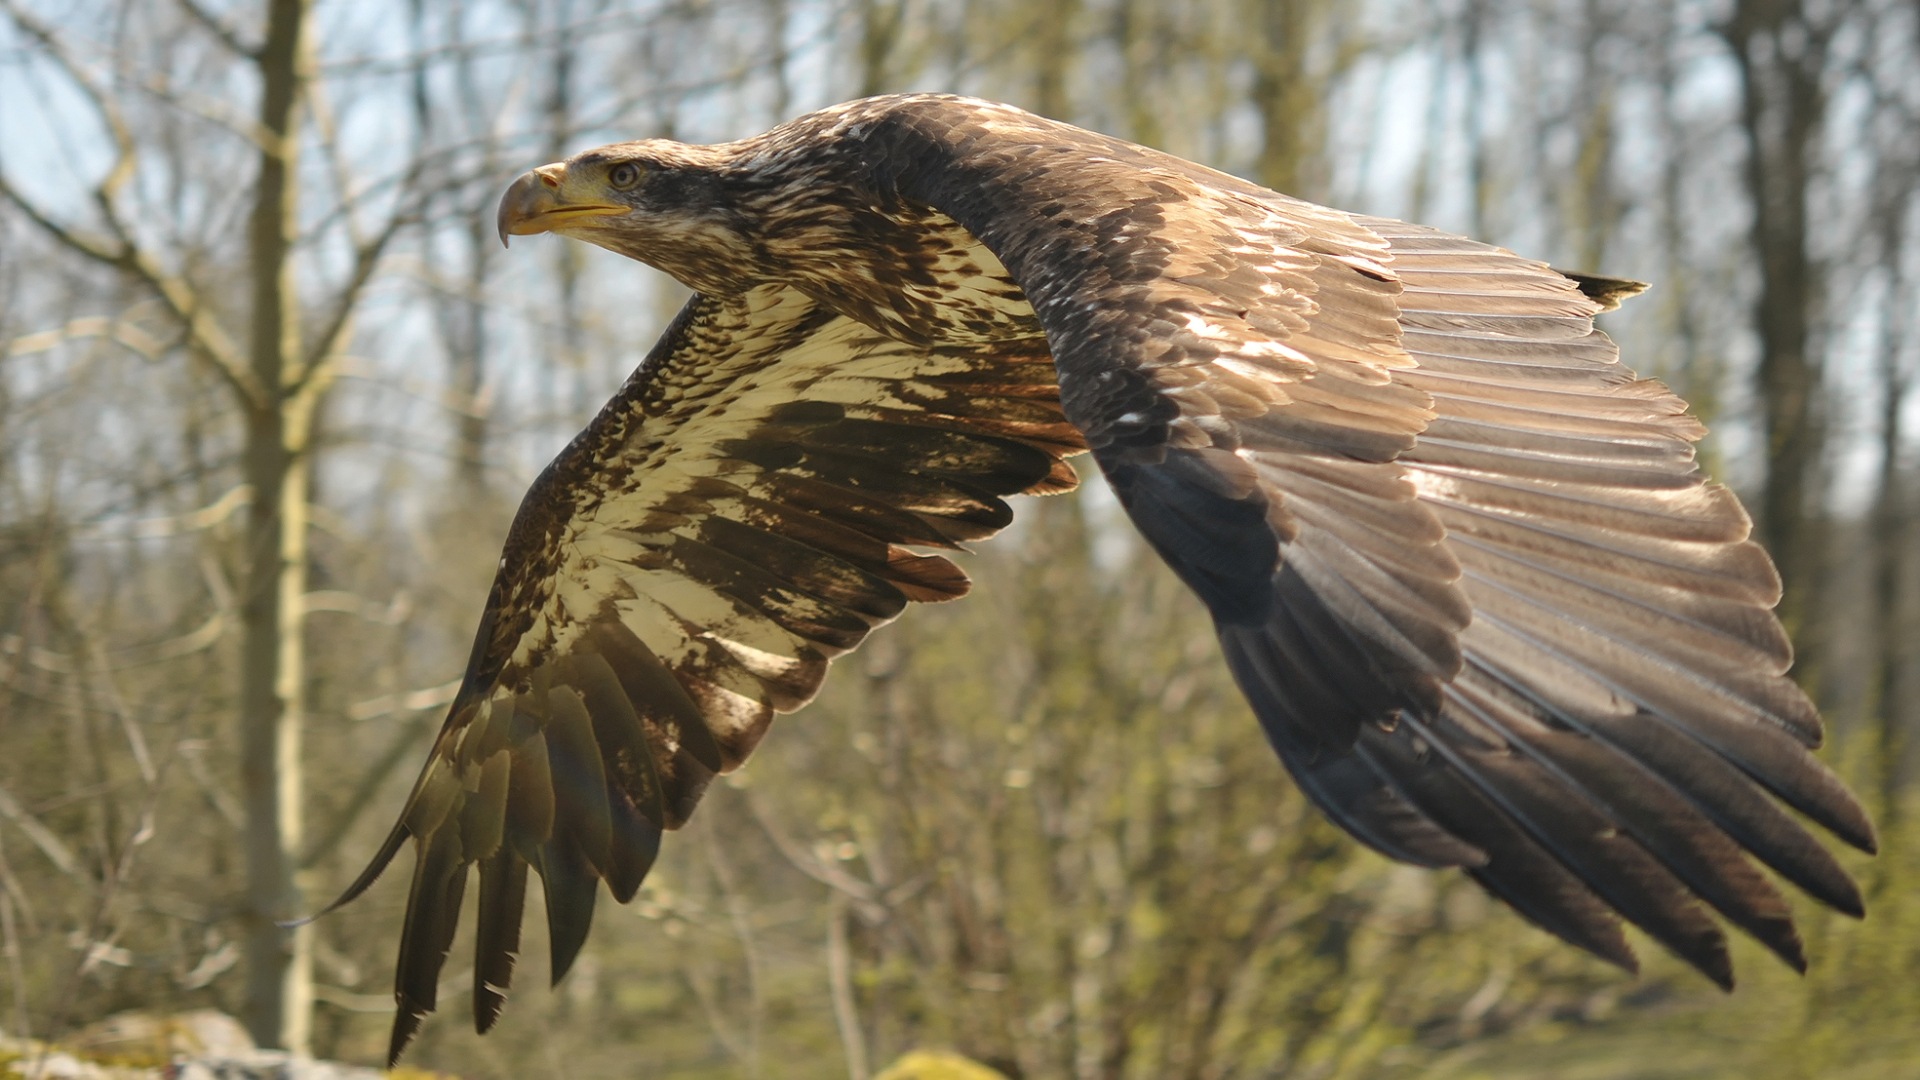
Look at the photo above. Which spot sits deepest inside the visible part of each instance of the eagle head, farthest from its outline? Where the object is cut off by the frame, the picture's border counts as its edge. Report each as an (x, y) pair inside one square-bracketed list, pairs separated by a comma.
[(661, 202)]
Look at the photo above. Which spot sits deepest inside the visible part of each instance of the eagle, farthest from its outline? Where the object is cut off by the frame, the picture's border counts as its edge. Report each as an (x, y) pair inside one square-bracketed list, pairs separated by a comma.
[(1460, 560)]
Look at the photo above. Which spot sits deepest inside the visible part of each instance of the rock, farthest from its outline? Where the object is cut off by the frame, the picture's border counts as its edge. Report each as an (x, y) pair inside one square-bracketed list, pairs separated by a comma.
[(137, 1037), (204, 1044)]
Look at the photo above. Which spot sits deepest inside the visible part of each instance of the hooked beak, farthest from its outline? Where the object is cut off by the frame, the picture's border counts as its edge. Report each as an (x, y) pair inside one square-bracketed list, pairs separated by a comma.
[(539, 202)]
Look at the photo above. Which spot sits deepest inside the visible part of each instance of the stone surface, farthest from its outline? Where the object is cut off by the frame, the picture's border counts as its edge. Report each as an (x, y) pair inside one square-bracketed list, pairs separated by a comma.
[(204, 1044)]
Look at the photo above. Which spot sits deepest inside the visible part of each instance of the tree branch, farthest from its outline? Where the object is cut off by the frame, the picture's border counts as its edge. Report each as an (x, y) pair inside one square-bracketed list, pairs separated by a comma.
[(204, 336), (402, 748), (366, 258), (56, 851), (67, 238), (214, 25)]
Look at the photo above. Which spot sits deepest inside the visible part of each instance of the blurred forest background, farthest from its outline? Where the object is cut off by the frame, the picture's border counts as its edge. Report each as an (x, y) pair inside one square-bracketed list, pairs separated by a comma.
[(270, 391)]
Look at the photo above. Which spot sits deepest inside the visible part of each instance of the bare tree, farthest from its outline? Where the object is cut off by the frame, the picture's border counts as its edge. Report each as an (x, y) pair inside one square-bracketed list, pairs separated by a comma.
[(1781, 50), (276, 366)]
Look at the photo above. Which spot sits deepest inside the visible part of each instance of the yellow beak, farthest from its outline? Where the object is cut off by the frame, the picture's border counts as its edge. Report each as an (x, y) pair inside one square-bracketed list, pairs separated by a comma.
[(539, 201)]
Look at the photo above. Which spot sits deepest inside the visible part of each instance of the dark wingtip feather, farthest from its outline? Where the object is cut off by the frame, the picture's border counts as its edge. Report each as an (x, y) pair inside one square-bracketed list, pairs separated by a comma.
[(645, 679), (1781, 938), (570, 887), (1518, 870), (636, 843), (503, 891), (433, 913), (406, 1024), (1866, 837), (1798, 961), (1358, 797), (1658, 818), (1563, 908), (1713, 961), (579, 774), (632, 777), (1841, 813), (1610, 863), (1737, 806)]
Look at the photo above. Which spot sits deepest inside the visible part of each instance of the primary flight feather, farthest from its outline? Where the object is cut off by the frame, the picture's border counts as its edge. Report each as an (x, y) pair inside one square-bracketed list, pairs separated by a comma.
[(1460, 559)]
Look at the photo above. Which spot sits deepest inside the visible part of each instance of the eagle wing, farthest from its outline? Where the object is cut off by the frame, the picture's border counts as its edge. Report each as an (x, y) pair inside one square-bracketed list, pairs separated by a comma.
[(738, 515), (1461, 560)]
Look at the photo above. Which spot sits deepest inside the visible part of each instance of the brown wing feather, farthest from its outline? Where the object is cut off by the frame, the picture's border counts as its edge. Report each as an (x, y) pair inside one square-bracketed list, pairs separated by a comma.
[(683, 571), (1498, 619)]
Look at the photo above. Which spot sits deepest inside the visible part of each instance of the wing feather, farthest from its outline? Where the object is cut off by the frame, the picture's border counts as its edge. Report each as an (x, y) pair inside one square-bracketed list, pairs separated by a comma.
[(1499, 597), (737, 516), (1459, 558), (500, 904)]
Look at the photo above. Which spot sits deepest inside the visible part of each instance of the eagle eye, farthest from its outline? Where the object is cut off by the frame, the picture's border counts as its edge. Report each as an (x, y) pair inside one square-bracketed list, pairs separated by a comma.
[(624, 175)]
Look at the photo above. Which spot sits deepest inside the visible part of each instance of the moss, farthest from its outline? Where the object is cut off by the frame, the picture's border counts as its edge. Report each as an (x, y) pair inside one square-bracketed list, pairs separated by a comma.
[(938, 1065)]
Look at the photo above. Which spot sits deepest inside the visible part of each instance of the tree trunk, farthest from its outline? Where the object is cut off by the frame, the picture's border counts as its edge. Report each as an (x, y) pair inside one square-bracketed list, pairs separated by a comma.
[(880, 25), (1887, 541), (279, 960), (1288, 97), (1053, 62), (1781, 53)]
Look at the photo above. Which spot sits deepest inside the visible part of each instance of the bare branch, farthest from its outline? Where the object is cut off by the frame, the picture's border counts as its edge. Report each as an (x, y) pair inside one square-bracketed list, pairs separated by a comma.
[(213, 110), (431, 697), (400, 749), (213, 24), (206, 338), (562, 33), (739, 919), (11, 888), (237, 498), (192, 752), (10, 945), (846, 1016), (89, 84), (56, 850), (366, 258), (121, 331), (376, 1004), (87, 246), (320, 107)]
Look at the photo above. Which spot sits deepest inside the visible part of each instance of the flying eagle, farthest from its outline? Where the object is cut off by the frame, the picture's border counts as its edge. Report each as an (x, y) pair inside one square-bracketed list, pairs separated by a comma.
[(1459, 558)]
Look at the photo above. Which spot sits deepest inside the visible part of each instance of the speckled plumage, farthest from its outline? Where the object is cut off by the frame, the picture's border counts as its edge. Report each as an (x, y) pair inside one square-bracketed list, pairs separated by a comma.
[(1459, 557)]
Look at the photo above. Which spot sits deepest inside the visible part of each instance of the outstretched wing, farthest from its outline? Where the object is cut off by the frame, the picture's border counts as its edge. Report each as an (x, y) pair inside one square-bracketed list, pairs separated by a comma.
[(1460, 559), (735, 518)]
